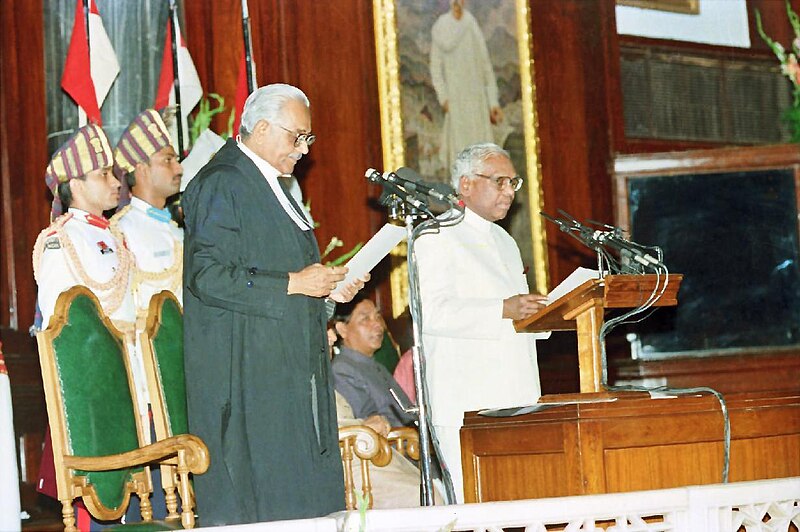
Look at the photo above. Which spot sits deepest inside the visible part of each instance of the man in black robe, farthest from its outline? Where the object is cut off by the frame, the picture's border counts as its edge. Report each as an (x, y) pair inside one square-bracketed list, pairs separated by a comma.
[(257, 371)]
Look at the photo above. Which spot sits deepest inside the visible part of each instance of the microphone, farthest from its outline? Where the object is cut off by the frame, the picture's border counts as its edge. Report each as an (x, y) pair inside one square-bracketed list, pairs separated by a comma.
[(615, 241), (411, 180), (621, 245), (390, 187), (597, 239)]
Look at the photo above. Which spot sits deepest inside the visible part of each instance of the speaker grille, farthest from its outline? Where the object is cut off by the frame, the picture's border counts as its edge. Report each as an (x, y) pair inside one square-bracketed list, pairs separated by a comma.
[(691, 96)]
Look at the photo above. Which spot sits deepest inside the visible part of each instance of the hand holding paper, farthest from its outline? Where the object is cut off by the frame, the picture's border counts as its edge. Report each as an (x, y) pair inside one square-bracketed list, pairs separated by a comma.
[(368, 257), (349, 291)]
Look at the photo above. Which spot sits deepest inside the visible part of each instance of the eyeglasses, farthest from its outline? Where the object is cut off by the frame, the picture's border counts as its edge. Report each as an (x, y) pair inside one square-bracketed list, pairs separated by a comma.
[(503, 180), (300, 138)]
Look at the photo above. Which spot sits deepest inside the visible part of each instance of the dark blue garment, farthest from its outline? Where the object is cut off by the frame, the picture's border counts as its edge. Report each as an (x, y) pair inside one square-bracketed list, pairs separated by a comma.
[(365, 383), (256, 359)]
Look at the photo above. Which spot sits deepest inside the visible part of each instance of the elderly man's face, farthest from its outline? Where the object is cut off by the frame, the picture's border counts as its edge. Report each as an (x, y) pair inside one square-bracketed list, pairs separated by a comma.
[(274, 142), (363, 332), (481, 193)]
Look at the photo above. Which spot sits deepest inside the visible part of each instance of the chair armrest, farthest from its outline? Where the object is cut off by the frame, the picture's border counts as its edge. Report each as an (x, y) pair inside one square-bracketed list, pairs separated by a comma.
[(366, 444), (405, 440), (186, 448)]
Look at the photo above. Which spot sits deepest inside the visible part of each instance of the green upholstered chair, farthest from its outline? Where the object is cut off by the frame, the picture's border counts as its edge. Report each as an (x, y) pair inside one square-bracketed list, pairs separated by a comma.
[(98, 440), (162, 350)]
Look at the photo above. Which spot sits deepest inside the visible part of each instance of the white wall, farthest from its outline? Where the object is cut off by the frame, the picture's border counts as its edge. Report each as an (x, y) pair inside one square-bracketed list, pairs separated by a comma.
[(720, 22)]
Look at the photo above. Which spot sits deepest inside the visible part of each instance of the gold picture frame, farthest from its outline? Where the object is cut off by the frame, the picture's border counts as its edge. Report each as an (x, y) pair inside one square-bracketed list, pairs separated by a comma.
[(401, 30), (687, 7)]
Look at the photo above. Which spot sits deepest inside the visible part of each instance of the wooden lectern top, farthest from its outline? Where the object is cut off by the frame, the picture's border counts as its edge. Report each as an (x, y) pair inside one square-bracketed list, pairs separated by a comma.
[(613, 291)]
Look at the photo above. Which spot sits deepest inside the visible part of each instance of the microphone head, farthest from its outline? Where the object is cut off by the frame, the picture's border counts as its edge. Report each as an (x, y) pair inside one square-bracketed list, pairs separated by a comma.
[(409, 174), (373, 175)]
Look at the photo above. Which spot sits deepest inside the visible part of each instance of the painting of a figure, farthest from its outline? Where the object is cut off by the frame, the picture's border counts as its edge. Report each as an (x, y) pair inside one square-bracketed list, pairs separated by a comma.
[(459, 77), (462, 81)]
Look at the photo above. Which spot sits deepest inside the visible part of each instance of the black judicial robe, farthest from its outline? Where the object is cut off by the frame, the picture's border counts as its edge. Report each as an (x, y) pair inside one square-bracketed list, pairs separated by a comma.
[(258, 379)]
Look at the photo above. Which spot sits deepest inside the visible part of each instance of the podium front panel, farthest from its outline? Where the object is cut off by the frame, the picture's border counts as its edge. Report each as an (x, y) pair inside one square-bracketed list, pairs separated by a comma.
[(629, 444)]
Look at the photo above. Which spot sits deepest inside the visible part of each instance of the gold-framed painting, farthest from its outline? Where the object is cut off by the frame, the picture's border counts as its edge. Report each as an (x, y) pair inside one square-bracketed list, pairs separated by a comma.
[(687, 7), (425, 65)]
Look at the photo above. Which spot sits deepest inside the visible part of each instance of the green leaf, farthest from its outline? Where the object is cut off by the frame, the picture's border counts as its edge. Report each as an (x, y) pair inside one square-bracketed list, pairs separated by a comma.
[(777, 49), (202, 119), (362, 503), (793, 19), (344, 258)]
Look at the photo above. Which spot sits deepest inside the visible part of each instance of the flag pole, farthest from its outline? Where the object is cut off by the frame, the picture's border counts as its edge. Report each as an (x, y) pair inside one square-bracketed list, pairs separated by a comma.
[(248, 49), (173, 14), (86, 20), (82, 118)]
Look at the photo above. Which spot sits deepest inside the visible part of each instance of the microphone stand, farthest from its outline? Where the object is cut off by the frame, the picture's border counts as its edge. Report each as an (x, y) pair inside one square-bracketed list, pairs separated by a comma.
[(400, 208)]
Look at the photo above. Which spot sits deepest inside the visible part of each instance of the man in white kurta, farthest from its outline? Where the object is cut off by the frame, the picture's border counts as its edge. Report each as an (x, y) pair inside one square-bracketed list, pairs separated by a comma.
[(472, 286), (464, 81), (152, 171)]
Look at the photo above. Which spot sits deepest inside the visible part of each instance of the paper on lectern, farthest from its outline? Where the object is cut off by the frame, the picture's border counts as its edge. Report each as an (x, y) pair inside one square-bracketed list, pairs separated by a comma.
[(573, 281)]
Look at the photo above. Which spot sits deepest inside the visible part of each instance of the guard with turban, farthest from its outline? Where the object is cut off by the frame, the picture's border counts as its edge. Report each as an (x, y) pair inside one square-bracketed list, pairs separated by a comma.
[(79, 248), (146, 162)]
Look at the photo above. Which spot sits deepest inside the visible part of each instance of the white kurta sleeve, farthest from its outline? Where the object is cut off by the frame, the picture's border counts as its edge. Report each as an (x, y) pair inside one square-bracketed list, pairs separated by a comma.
[(447, 308)]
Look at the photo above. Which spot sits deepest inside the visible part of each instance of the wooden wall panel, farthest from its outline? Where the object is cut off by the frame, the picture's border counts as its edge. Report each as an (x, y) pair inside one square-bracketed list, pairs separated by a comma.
[(23, 156), (24, 211), (336, 68), (573, 123)]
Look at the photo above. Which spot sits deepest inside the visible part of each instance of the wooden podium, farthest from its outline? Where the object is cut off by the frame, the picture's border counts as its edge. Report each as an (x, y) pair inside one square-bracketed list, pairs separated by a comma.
[(601, 442), (583, 309), (628, 442)]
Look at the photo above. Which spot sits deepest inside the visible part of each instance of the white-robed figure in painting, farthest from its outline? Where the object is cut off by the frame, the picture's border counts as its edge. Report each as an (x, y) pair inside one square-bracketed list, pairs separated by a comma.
[(464, 81)]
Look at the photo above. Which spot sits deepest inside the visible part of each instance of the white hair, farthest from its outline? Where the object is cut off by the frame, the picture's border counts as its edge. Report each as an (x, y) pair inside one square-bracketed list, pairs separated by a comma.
[(266, 103), (470, 160)]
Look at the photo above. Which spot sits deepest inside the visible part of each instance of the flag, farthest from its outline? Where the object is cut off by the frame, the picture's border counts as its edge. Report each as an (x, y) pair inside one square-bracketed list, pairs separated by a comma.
[(242, 92), (191, 90), (87, 81), (105, 67), (9, 476)]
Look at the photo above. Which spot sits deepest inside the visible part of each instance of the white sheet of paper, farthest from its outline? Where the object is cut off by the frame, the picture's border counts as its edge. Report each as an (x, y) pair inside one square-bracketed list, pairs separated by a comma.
[(538, 407), (573, 281), (371, 254)]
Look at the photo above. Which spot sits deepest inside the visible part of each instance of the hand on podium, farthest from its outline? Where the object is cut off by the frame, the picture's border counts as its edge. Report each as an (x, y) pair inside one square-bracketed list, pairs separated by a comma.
[(523, 306)]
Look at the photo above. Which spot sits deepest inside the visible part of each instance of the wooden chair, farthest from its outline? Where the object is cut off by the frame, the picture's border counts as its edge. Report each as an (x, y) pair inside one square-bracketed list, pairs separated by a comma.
[(162, 351), (405, 440), (364, 448), (98, 440)]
